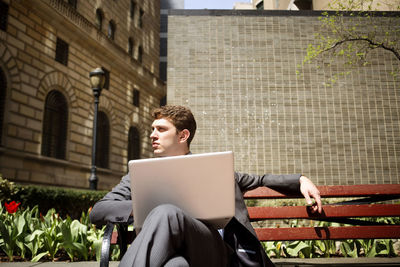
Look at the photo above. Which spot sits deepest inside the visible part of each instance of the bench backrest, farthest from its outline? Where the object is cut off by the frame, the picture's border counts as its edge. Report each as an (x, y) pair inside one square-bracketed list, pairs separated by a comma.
[(342, 212)]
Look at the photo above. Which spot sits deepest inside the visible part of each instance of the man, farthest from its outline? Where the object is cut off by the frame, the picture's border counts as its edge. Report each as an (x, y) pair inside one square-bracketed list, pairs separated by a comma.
[(169, 237)]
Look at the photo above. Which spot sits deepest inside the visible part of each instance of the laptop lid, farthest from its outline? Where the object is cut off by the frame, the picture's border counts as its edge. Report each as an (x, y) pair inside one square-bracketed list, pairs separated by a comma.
[(202, 185)]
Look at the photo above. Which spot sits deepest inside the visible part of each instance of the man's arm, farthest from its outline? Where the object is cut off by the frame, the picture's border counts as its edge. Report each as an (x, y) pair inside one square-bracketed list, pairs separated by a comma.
[(283, 182), (116, 206), (288, 182)]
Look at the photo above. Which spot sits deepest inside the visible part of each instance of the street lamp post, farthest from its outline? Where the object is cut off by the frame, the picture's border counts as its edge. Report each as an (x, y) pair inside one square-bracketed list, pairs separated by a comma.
[(97, 80)]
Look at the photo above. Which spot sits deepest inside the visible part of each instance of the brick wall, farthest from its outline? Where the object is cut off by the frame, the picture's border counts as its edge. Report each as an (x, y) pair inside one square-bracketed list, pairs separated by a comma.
[(237, 72)]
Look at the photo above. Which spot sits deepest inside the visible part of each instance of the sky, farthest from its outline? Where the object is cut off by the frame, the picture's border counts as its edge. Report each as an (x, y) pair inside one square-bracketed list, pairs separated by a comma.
[(212, 4)]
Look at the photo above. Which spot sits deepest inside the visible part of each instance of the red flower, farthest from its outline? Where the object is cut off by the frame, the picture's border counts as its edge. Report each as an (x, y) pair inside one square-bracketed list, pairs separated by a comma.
[(12, 207)]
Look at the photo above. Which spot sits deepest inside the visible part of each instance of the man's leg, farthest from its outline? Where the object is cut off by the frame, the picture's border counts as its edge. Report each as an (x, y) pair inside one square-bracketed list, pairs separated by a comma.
[(167, 232), (177, 261)]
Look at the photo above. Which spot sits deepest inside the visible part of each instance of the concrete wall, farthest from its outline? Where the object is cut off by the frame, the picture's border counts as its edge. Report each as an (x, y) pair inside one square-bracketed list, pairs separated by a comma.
[(237, 71)]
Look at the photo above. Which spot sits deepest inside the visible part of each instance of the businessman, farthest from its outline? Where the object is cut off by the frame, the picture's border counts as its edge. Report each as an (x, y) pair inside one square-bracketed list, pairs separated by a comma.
[(169, 237)]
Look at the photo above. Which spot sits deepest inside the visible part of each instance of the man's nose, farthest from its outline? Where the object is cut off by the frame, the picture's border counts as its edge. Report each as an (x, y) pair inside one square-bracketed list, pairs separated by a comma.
[(153, 134)]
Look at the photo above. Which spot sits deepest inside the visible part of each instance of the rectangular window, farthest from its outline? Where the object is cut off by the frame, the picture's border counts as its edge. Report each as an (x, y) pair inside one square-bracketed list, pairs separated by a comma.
[(107, 78), (3, 16), (132, 11), (62, 51), (136, 97), (73, 3), (141, 18)]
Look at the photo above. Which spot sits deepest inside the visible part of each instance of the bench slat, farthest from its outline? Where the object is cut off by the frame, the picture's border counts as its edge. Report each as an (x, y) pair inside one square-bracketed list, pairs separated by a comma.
[(333, 233), (366, 190), (328, 211)]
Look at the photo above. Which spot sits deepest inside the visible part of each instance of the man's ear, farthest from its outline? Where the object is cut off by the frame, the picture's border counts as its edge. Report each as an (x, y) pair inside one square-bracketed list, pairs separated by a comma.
[(184, 135)]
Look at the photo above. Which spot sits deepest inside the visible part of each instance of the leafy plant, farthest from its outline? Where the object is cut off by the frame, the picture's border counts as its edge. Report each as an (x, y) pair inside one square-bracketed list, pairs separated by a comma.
[(11, 229), (52, 234), (75, 240)]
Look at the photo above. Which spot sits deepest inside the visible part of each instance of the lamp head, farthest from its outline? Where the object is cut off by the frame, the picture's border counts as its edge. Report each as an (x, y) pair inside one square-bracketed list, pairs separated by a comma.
[(97, 78)]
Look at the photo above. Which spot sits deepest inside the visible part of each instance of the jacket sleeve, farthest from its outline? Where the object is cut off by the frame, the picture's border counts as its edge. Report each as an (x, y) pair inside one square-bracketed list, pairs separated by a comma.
[(283, 182), (116, 206)]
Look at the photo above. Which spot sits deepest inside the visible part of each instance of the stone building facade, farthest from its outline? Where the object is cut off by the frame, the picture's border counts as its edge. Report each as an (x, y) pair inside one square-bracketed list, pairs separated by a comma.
[(237, 71), (47, 50)]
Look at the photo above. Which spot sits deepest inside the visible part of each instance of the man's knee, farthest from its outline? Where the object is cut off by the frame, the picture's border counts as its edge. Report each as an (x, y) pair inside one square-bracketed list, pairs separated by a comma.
[(177, 261), (167, 213)]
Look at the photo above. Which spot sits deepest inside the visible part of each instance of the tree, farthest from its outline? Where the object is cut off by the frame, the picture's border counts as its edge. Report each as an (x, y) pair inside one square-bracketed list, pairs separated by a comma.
[(353, 30)]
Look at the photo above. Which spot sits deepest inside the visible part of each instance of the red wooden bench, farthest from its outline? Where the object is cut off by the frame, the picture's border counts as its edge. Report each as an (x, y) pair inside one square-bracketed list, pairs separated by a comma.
[(346, 212)]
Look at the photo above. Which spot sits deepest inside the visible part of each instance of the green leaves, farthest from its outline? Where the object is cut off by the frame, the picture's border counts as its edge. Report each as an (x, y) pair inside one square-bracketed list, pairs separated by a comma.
[(11, 230), (75, 239), (347, 38), (30, 235), (294, 249)]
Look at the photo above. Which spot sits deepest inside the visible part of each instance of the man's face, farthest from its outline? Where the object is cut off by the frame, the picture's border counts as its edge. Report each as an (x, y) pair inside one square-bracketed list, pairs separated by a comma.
[(164, 138)]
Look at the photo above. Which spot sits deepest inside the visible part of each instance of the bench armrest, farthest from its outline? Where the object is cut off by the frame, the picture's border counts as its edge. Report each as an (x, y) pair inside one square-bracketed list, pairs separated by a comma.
[(123, 239)]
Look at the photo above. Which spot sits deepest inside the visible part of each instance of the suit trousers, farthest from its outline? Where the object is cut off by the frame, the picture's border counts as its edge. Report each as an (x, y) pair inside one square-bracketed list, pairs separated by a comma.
[(169, 237)]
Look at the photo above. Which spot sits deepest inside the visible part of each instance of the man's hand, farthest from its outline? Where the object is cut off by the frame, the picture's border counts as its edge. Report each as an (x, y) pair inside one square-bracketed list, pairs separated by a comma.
[(308, 189)]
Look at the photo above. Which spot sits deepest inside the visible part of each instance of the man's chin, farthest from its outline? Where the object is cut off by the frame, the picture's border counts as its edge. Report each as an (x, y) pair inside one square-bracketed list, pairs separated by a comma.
[(158, 153)]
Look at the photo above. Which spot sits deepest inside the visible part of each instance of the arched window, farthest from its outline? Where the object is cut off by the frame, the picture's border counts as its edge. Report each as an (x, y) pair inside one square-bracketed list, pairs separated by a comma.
[(133, 143), (99, 19), (111, 30), (130, 46), (103, 140), (3, 88), (54, 135)]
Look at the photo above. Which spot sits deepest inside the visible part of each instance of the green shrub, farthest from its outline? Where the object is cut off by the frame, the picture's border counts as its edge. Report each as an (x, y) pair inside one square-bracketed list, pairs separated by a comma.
[(65, 201)]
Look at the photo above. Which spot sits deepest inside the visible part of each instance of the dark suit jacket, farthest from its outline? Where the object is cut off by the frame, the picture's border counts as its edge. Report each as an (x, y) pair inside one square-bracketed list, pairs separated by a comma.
[(116, 206)]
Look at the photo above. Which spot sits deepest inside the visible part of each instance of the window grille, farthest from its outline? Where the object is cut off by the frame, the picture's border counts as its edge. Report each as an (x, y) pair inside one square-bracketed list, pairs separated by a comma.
[(62, 51), (54, 135)]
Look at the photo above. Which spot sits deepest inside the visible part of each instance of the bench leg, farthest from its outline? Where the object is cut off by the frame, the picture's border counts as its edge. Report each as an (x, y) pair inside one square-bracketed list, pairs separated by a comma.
[(105, 246), (124, 238)]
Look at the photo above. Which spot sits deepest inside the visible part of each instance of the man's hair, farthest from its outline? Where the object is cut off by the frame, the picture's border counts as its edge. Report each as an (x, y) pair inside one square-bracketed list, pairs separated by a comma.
[(180, 116)]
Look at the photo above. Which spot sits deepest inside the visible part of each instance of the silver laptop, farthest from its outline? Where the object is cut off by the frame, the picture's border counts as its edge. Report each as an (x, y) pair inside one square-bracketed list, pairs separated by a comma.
[(203, 185)]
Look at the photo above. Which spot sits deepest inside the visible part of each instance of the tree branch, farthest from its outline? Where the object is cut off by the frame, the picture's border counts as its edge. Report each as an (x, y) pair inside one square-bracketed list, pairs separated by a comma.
[(371, 43)]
